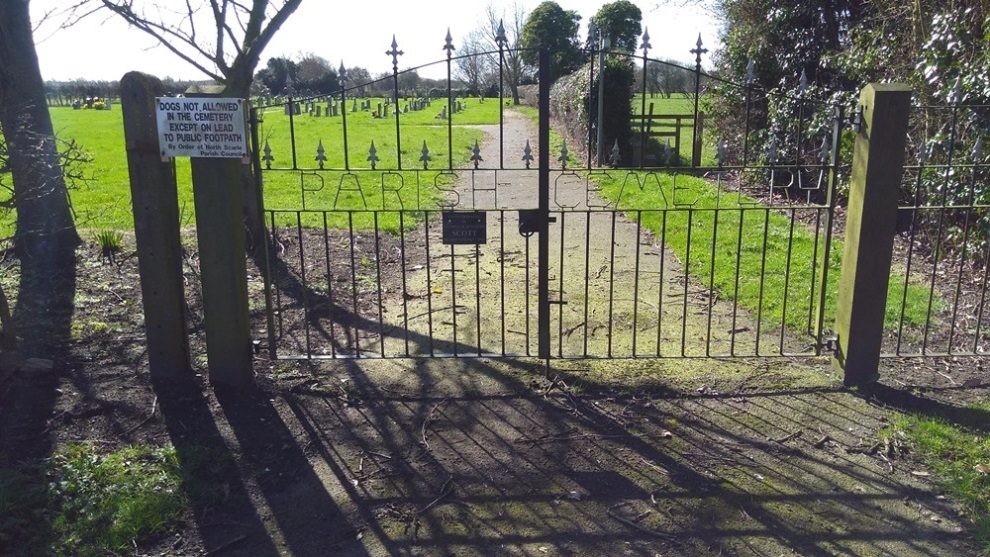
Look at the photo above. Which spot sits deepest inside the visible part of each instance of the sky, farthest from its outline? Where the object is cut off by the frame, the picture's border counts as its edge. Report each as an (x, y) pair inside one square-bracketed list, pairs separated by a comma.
[(353, 31)]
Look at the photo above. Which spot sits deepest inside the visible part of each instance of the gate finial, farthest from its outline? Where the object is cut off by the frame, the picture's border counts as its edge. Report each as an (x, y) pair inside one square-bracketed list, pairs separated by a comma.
[(646, 41), (449, 44), (425, 157), (321, 156), (394, 52), (527, 154), (500, 39), (268, 158), (373, 155)]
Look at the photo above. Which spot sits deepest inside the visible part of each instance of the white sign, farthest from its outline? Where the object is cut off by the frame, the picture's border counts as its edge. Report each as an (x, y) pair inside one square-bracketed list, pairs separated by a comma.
[(201, 127)]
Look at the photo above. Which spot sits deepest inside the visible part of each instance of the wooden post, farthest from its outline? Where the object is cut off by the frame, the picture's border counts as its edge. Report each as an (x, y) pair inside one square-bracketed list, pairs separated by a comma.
[(699, 123), (218, 195), (878, 163), (156, 229)]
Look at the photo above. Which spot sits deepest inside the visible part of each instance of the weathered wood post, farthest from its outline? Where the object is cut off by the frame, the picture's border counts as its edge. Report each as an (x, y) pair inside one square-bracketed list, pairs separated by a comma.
[(218, 196), (878, 163), (156, 229)]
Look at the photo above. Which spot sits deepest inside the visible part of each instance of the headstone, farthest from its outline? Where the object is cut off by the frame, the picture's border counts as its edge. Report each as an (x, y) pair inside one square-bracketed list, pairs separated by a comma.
[(443, 113), (319, 111), (354, 106), (335, 112), (379, 111), (288, 109)]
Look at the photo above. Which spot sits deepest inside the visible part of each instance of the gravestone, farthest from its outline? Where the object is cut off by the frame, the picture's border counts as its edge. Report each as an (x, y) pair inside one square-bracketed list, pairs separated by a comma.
[(288, 109), (319, 111), (354, 106), (443, 113)]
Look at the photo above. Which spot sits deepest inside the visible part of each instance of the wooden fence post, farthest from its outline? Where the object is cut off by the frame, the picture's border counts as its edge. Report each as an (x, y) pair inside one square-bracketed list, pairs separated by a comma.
[(218, 195), (156, 229), (878, 164)]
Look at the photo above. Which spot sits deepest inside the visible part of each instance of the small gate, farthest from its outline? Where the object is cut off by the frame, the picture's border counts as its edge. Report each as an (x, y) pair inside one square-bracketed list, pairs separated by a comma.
[(432, 225)]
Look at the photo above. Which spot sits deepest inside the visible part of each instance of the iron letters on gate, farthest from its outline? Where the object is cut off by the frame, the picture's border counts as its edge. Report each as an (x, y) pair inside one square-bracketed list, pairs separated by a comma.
[(465, 227)]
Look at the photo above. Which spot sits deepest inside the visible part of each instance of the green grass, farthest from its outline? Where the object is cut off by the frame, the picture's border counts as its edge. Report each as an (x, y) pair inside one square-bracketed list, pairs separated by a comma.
[(104, 503), (104, 201), (416, 189), (960, 458), (764, 271)]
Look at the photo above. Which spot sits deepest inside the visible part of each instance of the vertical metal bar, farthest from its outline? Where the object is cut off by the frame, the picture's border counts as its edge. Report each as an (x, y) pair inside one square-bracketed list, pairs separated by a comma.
[(810, 329), (453, 295), (329, 272), (501, 117), (354, 286), (278, 291), (543, 277), (305, 284), (429, 281), (591, 131), (501, 263), (405, 290), (687, 275), (266, 274), (962, 259), (587, 275), (697, 95), (378, 276), (398, 133), (611, 283), (292, 130), (477, 294), (560, 290), (711, 283), (830, 202), (528, 343), (735, 292), (787, 280), (450, 116), (642, 113), (983, 299), (639, 232), (343, 121), (910, 256), (941, 221), (763, 276), (663, 257)]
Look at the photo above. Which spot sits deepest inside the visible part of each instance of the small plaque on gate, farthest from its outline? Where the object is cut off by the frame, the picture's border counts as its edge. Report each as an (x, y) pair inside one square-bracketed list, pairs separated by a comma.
[(465, 227)]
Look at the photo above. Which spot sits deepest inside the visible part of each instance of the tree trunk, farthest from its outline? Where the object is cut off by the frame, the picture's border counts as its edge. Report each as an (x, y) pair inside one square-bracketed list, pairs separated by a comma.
[(45, 237), (44, 221)]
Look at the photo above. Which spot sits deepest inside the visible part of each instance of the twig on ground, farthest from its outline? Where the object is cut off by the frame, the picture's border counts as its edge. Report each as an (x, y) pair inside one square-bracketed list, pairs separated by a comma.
[(443, 493), (154, 407), (789, 437), (426, 422), (822, 442)]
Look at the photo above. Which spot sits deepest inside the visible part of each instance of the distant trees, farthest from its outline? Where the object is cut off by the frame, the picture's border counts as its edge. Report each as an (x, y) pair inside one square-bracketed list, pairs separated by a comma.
[(666, 78), (621, 22), (551, 27)]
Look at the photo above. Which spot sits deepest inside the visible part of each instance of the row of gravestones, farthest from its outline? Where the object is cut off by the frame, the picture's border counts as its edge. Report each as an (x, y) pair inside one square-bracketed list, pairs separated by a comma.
[(332, 108)]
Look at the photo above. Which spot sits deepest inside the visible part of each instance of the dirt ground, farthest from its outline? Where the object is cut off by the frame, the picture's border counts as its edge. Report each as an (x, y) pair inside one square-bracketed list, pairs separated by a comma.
[(486, 456)]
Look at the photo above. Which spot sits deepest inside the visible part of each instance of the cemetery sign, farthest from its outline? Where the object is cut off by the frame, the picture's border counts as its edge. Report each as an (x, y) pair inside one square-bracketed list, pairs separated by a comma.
[(201, 127)]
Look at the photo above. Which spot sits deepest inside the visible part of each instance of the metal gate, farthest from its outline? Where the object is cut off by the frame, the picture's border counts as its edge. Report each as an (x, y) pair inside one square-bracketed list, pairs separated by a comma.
[(428, 224)]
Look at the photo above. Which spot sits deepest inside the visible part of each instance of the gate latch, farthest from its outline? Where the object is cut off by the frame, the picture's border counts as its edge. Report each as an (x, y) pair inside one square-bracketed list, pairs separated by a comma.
[(529, 221)]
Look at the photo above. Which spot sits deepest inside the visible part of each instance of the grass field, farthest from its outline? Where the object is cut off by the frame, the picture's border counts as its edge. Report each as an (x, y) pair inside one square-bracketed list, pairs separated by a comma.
[(104, 201)]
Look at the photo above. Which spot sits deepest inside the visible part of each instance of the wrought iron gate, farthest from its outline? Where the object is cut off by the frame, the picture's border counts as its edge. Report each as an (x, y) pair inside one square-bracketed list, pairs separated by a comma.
[(511, 247)]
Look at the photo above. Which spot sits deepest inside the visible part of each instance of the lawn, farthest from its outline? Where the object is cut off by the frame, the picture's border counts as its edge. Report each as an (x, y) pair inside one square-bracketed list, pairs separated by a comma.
[(103, 201)]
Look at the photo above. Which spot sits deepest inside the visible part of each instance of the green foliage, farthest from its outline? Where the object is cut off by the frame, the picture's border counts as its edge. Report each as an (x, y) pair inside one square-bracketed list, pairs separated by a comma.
[(960, 458), (554, 28), (621, 21), (105, 503), (574, 101), (110, 242), (22, 500)]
